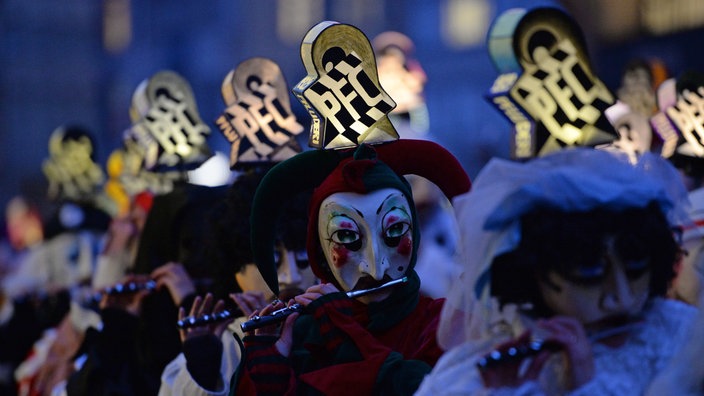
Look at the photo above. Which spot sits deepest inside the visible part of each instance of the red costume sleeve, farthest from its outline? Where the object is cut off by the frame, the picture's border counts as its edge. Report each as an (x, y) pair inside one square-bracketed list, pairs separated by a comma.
[(266, 371)]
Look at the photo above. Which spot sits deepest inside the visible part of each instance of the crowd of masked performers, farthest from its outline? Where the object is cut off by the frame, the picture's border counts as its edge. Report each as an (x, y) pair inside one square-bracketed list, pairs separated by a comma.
[(374, 268)]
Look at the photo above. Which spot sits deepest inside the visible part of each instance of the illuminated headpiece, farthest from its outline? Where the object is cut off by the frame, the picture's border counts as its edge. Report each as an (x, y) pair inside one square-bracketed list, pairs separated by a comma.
[(679, 123), (357, 147), (258, 121), (546, 87), (631, 113), (71, 169), (166, 125), (342, 91)]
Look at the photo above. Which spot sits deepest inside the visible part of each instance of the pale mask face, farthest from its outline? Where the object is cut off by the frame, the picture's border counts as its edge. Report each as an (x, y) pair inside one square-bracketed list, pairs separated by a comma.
[(601, 296), (367, 239)]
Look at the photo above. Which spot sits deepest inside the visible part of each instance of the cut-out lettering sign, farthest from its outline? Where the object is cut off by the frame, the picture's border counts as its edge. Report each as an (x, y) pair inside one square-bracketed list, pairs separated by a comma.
[(681, 124), (546, 87), (631, 112), (71, 171), (135, 177), (341, 92), (258, 121), (167, 125)]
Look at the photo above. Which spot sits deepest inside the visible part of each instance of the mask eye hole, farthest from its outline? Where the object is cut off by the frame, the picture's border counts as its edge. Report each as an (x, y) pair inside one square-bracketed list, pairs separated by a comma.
[(393, 234), (349, 238), (396, 223)]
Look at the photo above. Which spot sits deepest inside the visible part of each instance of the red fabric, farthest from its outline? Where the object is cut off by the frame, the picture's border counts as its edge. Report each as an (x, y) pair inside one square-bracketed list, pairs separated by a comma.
[(144, 200), (426, 159), (276, 370), (414, 338)]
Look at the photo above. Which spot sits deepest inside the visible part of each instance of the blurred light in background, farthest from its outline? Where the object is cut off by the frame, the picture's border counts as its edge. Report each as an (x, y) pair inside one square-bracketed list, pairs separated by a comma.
[(294, 18), (117, 25), (465, 22)]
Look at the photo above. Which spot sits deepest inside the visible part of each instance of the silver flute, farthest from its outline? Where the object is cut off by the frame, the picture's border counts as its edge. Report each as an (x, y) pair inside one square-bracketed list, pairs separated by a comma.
[(275, 317), (519, 352), (125, 288)]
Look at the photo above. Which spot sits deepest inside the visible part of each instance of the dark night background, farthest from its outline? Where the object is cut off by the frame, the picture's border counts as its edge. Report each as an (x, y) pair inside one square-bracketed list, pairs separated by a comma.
[(79, 61)]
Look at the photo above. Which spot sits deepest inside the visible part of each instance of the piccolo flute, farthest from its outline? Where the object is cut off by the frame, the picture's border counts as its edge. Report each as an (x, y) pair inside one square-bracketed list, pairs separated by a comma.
[(519, 352), (281, 314), (275, 317), (124, 288)]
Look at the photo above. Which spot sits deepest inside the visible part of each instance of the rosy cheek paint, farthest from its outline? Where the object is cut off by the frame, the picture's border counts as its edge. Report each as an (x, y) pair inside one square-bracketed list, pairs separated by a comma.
[(405, 246), (340, 255)]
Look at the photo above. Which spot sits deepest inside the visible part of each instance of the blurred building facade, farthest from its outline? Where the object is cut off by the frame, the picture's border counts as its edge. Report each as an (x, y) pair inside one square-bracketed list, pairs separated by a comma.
[(79, 61)]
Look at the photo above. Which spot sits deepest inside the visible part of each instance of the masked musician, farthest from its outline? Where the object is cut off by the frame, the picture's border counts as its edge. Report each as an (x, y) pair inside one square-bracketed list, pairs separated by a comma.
[(362, 233), (573, 251), (210, 352), (262, 129)]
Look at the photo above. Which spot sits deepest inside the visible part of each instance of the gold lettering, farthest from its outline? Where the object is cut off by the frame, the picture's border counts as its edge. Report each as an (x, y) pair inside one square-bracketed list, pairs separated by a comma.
[(688, 116), (286, 121), (226, 128), (247, 125), (503, 83)]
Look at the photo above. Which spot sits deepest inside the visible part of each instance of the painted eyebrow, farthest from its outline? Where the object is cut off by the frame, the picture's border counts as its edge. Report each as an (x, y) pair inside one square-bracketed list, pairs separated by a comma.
[(384, 202), (336, 214)]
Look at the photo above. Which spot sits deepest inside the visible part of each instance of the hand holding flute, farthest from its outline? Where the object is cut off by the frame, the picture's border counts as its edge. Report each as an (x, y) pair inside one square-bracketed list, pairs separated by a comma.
[(204, 307), (509, 364), (128, 294)]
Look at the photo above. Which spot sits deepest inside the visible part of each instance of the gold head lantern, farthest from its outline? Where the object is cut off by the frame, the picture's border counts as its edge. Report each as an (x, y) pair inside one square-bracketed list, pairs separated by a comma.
[(679, 121), (71, 170), (635, 105), (258, 121), (546, 86), (341, 92), (166, 124)]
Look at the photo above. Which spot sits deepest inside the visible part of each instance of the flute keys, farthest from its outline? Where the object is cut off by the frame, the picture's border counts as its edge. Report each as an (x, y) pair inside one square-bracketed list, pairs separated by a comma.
[(193, 321)]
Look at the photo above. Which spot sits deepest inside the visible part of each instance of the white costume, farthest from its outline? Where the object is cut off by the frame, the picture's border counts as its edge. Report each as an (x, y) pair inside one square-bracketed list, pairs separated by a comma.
[(489, 216), (177, 381)]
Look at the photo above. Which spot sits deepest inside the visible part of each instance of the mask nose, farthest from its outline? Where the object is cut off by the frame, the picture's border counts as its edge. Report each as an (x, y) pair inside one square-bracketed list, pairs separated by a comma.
[(375, 263)]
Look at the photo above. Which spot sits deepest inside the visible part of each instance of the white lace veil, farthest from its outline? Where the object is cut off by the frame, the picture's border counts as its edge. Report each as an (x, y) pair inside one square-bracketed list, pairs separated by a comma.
[(578, 179)]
